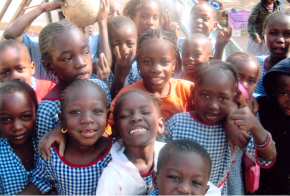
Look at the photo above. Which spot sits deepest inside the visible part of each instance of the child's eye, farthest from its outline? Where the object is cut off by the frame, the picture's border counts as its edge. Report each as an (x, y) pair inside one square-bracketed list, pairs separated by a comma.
[(74, 112), (145, 112), (98, 111), (174, 178), (67, 58), (5, 119), (252, 81), (26, 117), (195, 183), (205, 96), (86, 51), (5, 72), (146, 62), (20, 69), (130, 45), (223, 99)]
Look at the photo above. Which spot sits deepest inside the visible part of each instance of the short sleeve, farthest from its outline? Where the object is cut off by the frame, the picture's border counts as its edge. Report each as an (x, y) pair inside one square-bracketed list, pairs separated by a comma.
[(40, 177), (47, 117)]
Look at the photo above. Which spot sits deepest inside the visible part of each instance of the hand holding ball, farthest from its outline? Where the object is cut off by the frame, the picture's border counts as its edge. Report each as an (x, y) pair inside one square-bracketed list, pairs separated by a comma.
[(81, 12)]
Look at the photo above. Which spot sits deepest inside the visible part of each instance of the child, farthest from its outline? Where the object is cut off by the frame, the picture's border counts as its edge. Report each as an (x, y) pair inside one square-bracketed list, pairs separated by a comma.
[(65, 53), (183, 168), (248, 70), (157, 56), (255, 25), (274, 115), (137, 121), (277, 39), (123, 40), (17, 28), (17, 143), (213, 98), (16, 64), (145, 13), (87, 152), (197, 50), (204, 20)]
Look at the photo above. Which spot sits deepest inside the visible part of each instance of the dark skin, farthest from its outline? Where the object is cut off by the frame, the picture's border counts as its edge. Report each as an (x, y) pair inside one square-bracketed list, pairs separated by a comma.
[(123, 44), (277, 39), (185, 173), (157, 59), (15, 64), (138, 123), (85, 118), (70, 57), (17, 118)]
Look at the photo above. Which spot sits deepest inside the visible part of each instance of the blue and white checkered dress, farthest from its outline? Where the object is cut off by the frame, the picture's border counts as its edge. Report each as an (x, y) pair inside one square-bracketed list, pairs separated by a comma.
[(48, 112), (211, 137), (150, 181), (13, 176), (68, 178)]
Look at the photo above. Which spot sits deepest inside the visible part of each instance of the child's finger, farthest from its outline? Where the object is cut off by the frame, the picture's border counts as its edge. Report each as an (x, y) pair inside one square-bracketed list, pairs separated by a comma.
[(117, 52), (61, 148)]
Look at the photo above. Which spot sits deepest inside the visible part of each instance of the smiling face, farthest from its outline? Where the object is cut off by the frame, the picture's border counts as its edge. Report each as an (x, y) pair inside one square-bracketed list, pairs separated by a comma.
[(15, 64), (203, 19), (157, 59), (70, 57), (85, 114), (147, 16), (185, 174), (197, 51), (17, 117), (138, 120), (277, 36), (214, 96), (125, 39)]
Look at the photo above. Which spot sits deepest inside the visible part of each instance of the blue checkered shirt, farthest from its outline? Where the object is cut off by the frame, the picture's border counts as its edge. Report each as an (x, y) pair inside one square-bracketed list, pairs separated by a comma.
[(150, 181), (68, 179), (13, 176), (48, 112), (213, 139)]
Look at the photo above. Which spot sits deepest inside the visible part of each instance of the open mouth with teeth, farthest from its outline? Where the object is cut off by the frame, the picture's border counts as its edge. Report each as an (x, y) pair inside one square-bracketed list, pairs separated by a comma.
[(138, 131)]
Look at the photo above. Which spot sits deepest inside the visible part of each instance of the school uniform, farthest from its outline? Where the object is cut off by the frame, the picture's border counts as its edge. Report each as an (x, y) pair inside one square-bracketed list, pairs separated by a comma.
[(122, 177), (14, 177), (49, 110), (69, 178), (213, 139)]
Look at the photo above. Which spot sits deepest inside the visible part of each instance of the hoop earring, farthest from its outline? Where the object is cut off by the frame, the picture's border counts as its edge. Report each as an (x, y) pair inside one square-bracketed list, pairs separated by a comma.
[(63, 130)]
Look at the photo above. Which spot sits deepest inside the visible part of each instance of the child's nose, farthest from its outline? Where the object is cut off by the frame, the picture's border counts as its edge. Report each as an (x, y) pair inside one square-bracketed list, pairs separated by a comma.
[(18, 125), (184, 188), (79, 62), (86, 118)]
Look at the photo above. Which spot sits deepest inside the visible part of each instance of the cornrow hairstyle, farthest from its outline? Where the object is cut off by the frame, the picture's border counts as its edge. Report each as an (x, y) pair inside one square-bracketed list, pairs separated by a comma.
[(133, 6), (172, 148), (80, 84), (12, 43), (120, 100), (161, 34), (48, 35), (13, 86)]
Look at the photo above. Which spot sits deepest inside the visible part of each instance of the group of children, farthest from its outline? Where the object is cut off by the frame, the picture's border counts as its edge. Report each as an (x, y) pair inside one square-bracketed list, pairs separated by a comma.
[(148, 112)]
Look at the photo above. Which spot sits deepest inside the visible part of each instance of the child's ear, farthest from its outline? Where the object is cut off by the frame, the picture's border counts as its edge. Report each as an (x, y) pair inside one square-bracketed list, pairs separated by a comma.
[(32, 65), (161, 126)]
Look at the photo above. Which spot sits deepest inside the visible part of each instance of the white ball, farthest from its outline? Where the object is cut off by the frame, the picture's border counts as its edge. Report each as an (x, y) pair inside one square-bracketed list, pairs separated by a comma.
[(81, 12)]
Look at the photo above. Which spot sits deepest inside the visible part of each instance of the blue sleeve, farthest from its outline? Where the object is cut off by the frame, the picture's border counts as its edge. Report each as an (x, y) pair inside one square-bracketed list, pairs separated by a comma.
[(104, 87), (47, 117), (40, 176), (33, 47)]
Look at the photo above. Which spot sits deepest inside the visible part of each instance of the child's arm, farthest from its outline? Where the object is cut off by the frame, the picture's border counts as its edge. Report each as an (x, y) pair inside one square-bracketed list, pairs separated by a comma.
[(246, 120), (121, 70), (223, 37), (30, 190), (17, 27), (54, 136), (104, 36), (252, 25)]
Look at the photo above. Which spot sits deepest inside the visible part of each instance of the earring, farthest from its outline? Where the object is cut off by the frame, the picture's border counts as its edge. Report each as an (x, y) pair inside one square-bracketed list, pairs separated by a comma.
[(63, 130)]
